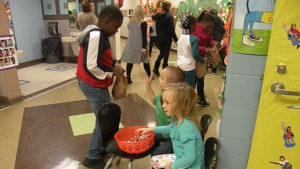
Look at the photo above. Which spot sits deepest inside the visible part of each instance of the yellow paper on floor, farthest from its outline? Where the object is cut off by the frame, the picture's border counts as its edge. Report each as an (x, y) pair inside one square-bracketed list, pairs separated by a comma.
[(84, 124)]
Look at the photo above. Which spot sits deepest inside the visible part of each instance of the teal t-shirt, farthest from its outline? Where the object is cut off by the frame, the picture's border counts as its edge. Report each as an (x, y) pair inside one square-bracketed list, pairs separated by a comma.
[(187, 144), (161, 117)]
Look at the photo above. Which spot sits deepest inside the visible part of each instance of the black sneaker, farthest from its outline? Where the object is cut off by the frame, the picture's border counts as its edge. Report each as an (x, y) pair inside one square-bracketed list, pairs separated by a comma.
[(94, 163), (203, 103), (128, 80), (156, 72), (254, 37)]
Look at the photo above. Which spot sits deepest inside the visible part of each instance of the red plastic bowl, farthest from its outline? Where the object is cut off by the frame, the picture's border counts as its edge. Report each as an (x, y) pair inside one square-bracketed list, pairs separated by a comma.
[(124, 135)]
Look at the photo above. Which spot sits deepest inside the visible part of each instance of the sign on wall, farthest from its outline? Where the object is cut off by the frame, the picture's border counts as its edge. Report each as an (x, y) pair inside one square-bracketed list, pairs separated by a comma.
[(8, 57)]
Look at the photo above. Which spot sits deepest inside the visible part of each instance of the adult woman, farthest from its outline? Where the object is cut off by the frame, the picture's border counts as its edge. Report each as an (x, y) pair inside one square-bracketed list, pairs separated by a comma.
[(204, 34), (135, 50), (165, 32), (87, 16)]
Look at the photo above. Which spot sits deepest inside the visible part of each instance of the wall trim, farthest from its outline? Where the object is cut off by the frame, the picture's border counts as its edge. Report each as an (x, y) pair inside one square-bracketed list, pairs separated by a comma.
[(6, 101), (30, 63)]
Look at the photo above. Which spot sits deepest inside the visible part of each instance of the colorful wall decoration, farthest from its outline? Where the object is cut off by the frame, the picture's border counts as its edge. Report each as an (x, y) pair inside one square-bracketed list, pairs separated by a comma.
[(251, 33), (152, 8), (276, 139), (8, 14), (9, 18), (8, 57)]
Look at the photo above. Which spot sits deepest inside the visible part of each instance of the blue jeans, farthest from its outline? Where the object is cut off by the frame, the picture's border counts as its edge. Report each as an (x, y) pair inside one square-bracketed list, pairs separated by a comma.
[(251, 18), (96, 97)]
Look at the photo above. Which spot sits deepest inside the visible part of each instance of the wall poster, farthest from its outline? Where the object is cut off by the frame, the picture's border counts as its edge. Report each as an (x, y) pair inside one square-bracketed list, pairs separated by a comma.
[(8, 57), (9, 17), (252, 26)]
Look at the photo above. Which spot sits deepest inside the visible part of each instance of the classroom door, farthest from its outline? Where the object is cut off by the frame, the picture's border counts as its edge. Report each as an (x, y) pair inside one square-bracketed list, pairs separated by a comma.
[(276, 139)]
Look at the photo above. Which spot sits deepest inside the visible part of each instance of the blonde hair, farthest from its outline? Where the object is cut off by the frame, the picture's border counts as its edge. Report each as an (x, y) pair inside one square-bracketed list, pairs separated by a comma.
[(138, 14), (185, 100), (176, 74)]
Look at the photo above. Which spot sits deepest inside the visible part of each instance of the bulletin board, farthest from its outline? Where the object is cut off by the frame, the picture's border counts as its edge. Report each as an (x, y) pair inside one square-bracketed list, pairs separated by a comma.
[(8, 57), (276, 143)]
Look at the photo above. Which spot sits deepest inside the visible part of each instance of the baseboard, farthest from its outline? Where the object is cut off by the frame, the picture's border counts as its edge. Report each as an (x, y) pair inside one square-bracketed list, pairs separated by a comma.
[(30, 63), (5, 100)]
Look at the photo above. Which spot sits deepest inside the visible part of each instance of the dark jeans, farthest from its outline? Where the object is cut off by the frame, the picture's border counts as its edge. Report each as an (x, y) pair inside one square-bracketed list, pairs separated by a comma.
[(190, 78), (129, 67), (200, 88), (96, 97), (163, 146), (153, 41), (164, 50)]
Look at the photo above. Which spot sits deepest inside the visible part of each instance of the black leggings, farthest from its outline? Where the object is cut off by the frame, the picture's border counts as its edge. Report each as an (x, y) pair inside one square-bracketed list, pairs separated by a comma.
[(164, 50), (129, 67), (200, 88), (152, 42)]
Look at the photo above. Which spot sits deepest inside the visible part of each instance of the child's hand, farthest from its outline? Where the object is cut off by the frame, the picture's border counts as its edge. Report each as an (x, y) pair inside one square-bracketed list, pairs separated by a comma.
[(207, 50), (144, 51), (144, 130), (282, 124), (168, 165), (149, 79)]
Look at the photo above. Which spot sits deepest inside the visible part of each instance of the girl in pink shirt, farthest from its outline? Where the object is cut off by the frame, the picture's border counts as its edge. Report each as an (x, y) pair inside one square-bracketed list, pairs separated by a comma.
[(204, 34)]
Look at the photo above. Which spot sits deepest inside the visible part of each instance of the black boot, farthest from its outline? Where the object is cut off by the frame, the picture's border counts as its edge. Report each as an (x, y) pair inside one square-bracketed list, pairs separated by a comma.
[(128, 80), (91, 163), (156, 72), (202, 102)]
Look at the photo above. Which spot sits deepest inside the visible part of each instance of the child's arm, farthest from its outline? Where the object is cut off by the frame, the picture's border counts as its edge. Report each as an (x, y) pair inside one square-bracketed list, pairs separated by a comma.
[(195, 51), (189, 155), (95, 50), (160, 129), (283, 127), (150, 91)]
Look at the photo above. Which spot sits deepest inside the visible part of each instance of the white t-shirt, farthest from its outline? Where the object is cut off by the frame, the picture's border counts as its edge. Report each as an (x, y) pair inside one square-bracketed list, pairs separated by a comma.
[(185, 61)]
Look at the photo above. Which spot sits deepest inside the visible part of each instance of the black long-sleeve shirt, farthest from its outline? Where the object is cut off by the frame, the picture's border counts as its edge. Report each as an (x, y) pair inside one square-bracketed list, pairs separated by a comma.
[(144, 34), (165, 28)]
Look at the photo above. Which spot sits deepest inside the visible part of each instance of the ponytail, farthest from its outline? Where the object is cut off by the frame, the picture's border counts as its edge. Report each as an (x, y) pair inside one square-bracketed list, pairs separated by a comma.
[(205, 16)]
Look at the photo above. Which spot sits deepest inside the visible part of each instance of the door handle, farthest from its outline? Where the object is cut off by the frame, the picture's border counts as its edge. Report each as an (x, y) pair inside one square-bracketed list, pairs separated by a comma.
[(278, 88)]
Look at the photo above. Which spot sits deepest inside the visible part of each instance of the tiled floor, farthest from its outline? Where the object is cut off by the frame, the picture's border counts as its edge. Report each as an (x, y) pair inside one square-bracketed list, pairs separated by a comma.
[(11, 117)]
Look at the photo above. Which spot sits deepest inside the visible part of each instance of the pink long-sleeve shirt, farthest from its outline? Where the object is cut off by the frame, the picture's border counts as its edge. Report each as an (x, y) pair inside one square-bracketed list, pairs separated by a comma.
[(204, 38)]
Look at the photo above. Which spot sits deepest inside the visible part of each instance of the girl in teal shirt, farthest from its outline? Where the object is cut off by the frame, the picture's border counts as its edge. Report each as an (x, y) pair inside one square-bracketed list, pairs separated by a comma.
[(179, 102)]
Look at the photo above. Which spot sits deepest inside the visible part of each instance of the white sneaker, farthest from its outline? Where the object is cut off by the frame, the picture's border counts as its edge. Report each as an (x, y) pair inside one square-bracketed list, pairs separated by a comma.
[(247, 42)]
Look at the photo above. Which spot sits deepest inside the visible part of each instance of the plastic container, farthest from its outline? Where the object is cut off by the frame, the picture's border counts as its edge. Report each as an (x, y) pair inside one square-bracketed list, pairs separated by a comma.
[(124, 135)]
